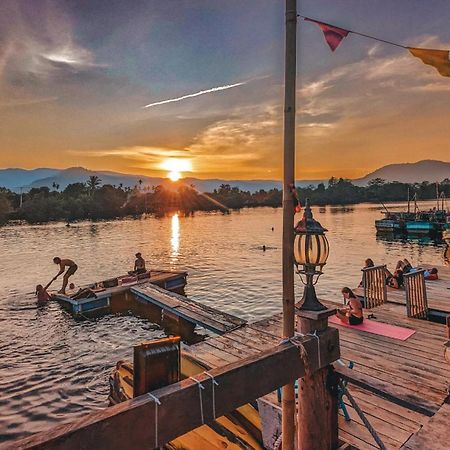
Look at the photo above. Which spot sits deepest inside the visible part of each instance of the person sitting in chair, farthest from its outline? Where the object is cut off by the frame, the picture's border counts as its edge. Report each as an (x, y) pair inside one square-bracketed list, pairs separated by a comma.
[(352, 313)]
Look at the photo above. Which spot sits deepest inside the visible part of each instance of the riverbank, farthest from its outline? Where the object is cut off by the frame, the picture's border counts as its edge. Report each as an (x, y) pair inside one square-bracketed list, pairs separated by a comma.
[(80, 201)]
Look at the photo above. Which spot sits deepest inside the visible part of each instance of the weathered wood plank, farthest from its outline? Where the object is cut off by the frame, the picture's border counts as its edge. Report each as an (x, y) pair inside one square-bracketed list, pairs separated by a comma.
[(434, 435), (189, 310)]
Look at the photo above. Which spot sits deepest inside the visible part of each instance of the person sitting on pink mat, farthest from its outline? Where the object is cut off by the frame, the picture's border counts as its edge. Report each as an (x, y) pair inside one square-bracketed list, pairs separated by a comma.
[(352, 313)]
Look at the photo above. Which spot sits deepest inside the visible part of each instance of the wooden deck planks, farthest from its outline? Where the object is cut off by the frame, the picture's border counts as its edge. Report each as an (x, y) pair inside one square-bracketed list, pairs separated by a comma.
[(413, 371), (434, 435), (189, 310)]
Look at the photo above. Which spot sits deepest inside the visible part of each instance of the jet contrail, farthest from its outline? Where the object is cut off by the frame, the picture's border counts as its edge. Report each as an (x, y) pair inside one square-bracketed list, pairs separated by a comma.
[(196, 94)]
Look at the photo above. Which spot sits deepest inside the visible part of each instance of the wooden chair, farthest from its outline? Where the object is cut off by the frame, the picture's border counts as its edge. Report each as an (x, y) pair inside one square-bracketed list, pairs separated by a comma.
[(374, 284), (416, 295)]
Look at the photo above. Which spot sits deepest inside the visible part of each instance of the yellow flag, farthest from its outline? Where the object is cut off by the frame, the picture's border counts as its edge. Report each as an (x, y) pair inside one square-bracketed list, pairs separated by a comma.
[(439, 59)]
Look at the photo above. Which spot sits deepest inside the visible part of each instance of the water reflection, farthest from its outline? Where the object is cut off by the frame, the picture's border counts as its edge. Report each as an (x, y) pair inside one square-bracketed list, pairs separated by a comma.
[(175, 237)]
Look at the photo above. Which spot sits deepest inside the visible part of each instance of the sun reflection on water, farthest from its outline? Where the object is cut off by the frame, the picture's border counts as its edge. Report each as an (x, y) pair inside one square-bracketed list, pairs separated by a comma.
[(175, 238)]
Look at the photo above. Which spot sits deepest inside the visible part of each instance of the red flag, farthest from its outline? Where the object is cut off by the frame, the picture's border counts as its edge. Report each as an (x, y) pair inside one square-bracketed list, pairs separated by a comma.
[(333, 35)]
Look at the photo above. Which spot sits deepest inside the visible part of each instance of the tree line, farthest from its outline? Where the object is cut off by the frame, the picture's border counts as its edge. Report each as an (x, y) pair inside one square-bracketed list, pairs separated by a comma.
[(94, 201)]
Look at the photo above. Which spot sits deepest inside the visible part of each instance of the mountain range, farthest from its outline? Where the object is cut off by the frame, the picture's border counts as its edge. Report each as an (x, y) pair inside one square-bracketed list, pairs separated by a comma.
[(17, 179)]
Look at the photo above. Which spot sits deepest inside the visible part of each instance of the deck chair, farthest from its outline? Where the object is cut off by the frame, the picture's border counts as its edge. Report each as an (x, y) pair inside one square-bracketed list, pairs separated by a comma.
[(340, 394)]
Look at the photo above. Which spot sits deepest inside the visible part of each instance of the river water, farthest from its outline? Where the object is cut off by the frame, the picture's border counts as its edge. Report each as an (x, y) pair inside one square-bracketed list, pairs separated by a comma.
[(54, 369)]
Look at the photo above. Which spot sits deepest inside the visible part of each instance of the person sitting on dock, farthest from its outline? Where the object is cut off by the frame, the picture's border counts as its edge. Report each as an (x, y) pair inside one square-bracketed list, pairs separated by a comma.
[(139, 265), (395, 280), (63, 263), (352, 313), (404, 265), (367, 263), (431, 274)]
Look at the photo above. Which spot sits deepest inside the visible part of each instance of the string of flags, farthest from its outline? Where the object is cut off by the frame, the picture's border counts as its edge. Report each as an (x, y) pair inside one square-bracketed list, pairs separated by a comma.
[(439, 59)]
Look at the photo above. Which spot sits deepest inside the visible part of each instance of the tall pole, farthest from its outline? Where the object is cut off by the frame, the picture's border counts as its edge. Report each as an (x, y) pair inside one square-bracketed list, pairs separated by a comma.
[(288, 397)]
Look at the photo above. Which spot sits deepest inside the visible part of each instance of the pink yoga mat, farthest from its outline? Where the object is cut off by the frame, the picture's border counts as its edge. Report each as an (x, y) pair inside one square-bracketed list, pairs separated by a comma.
[(383, 329)]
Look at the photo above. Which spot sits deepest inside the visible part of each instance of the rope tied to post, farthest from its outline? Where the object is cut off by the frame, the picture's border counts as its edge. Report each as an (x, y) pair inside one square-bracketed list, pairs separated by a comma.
[(214, 383), (299, 344), (200, 388), (157, 403)]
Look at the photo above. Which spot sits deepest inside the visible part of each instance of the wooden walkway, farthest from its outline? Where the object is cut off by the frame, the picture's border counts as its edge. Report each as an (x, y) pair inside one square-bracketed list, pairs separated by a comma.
[(408, 380), (187, 309), (438, 291)]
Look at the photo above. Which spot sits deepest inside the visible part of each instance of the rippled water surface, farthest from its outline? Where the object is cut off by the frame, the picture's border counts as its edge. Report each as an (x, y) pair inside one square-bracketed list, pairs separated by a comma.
[(53, 368)]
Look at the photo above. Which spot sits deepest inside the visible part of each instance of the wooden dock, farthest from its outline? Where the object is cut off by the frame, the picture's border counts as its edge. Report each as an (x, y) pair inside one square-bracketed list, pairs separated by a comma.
[(398, 384), (189, 310)]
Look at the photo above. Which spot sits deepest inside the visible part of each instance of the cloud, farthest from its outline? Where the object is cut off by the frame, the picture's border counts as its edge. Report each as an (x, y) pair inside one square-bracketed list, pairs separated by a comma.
[(196, 94)]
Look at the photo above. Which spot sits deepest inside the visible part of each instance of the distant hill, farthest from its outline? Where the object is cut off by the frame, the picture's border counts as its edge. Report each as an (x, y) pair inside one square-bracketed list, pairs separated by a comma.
[(426, 170), (15, 179)]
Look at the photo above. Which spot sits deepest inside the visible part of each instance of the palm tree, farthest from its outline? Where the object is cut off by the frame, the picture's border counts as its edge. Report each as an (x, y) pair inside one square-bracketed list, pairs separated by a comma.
[(93, 183)]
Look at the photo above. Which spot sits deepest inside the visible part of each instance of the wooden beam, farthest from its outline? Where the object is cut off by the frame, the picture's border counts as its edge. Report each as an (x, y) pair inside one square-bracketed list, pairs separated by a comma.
[(131, 424)]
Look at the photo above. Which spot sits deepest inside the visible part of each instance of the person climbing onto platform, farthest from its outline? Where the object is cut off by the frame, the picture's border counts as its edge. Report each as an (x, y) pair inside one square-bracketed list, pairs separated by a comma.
[(63, 263), (352, 313), (42, 294)]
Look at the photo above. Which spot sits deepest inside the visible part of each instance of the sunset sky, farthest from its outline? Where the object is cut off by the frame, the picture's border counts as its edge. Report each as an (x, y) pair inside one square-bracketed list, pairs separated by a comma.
[(76, 77)]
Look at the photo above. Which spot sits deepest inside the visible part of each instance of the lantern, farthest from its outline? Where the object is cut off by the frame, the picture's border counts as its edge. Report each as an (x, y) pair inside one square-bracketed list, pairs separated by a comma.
[(311, 251)]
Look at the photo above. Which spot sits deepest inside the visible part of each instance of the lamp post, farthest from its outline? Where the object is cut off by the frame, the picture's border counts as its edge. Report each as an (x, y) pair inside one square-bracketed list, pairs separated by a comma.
[(311, 250), (316, 403)]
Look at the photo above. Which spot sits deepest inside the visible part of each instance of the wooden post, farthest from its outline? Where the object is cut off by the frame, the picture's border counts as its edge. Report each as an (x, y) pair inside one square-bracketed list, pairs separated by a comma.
[(317, 422), (288, 399), (156, 364)]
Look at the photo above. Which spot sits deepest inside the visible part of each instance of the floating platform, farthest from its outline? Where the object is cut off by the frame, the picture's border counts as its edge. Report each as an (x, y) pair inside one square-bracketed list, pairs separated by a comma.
[(177, 307), (98, 297)]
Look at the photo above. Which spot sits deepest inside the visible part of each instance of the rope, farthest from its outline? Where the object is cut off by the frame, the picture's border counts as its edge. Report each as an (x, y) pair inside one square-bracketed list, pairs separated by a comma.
[(362, 416), (278, 441), (294, 340), (214, 383), (200, 388), (157, 403)]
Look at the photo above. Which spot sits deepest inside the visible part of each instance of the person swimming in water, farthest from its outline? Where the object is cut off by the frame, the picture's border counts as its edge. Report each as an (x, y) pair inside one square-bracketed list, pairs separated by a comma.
[(41, 293)]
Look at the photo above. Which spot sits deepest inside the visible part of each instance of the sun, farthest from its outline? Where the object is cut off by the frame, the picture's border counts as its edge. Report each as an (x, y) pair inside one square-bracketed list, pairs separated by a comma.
[(174, 176), (176, 167)]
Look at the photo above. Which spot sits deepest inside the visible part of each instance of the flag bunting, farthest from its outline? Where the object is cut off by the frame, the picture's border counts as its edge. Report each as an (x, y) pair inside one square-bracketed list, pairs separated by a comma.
[(439, 59)]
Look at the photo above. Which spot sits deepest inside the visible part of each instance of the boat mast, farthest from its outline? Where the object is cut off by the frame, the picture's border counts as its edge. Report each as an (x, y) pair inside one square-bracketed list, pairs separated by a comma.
[(409, 201), (437, 195), (290, 74)]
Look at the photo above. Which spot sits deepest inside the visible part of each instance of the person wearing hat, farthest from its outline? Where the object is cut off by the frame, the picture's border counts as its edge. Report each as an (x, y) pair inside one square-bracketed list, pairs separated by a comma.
[(139, 265)]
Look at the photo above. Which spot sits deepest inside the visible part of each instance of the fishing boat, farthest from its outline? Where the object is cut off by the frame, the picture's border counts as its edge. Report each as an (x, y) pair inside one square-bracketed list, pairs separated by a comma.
[(423, 224), (98, 296), (237, 430), (414, 222)]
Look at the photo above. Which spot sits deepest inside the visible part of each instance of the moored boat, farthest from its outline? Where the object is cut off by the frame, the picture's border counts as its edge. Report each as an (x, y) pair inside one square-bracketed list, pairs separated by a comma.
[(421, 227)]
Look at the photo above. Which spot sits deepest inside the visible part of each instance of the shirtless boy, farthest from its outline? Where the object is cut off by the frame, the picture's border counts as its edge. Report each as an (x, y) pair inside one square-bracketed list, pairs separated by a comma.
[(63, 263)]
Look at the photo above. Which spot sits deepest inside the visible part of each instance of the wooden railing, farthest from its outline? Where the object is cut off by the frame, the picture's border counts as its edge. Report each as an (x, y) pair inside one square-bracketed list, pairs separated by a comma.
[(416, 295), (139, 423), (374, 284)]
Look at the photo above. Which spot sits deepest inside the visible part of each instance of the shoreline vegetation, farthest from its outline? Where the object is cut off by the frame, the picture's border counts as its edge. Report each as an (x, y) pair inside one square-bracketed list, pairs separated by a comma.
[(94, 201)]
